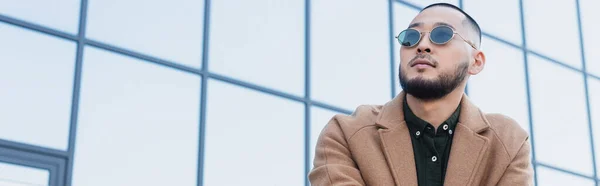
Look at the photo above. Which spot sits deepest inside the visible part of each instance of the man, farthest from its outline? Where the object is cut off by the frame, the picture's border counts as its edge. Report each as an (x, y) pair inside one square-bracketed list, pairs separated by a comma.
[(430, 134)]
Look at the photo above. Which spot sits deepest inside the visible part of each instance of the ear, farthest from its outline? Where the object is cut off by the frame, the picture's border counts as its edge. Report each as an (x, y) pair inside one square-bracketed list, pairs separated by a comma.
[(478, 64)]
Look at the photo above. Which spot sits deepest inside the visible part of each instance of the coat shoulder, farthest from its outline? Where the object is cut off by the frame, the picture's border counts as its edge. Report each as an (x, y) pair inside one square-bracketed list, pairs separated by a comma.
[(508, 131), (363, 116)]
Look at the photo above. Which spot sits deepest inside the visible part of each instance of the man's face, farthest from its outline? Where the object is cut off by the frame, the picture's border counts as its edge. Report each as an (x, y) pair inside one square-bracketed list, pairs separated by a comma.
[(430, 71)]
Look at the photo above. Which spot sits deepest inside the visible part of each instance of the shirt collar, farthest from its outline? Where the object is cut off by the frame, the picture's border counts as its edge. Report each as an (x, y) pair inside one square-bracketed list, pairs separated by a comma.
[(390, 116), (417, 124)]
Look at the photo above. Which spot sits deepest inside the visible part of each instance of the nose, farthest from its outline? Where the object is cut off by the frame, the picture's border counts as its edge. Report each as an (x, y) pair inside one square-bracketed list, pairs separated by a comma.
[(424, 45), (421, 50)]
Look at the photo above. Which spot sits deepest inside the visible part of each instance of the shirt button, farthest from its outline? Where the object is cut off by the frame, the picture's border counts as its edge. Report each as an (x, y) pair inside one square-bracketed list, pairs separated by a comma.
[(433, 158), (450, 131), (418, 133), (445, 127)]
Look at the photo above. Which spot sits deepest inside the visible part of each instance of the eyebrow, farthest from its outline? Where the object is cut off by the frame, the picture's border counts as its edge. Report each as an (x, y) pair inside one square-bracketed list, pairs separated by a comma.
[(418, 24)]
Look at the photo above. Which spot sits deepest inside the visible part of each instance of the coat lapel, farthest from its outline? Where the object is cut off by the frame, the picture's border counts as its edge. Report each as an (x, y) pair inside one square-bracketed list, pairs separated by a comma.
[(469, 148), (396, 142), (466, 153), (399, 155)]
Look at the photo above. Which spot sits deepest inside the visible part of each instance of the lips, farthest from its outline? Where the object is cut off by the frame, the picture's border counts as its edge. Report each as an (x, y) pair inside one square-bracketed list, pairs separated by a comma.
[(422, 62)]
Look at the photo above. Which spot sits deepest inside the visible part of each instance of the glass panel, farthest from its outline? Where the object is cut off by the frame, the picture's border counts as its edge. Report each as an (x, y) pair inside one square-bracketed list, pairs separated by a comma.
[(17, 175), (36, 79), (559, 117), (589, 15), (594, 96), (171, 30), (319, 117), (138, 123), (551, 177), (503, 77), (57, 14), (348, 69), (258, 138), (424, 3), (552, 30), (260, 41), (403, 15), (486, 13)]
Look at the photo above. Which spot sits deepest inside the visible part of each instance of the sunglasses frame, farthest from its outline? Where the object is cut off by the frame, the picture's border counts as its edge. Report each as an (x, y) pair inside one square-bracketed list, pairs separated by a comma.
[(422, 33)]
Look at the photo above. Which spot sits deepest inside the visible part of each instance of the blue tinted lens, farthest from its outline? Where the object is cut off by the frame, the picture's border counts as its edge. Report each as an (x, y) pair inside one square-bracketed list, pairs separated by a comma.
[(441, 34), (409, 37)]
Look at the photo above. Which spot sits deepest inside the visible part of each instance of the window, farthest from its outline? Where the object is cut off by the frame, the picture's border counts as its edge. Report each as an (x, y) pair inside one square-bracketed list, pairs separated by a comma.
[(58, 14), (22, 168), (552, 30), (350, 57), (499, 18), (138, 123), (500, 87), (170, 30), (590, 30), (593, 92), (559, 117), (548, 176), (17, 175), (257, 137), (36, 80), (261, 42)]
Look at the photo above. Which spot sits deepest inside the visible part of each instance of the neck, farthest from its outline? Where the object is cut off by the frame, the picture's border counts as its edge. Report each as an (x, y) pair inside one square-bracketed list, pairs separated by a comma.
[(437, 111)]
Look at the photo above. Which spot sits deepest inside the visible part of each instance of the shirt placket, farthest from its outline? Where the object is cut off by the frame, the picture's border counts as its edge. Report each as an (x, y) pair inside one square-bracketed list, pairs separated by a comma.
[(433, 161)]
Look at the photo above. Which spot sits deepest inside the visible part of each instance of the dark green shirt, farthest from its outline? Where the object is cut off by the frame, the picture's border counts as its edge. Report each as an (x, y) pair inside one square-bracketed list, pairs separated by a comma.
[(431, 148)]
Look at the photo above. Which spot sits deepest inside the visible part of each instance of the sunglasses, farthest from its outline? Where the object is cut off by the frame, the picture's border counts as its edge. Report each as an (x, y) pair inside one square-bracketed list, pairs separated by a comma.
[(439, 35)]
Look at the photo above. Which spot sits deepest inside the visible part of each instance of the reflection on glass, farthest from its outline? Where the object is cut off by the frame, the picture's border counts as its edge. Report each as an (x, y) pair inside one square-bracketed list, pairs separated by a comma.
[(138, 123), (170, 30), (257, 137), (36, 80)]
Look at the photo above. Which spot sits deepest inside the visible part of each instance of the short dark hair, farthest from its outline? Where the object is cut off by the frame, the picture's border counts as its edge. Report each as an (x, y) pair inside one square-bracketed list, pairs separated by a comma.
[(469, 20)]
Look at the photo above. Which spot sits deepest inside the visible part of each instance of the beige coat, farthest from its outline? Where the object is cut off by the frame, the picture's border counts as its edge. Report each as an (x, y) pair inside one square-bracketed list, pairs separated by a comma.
[(372, 147)]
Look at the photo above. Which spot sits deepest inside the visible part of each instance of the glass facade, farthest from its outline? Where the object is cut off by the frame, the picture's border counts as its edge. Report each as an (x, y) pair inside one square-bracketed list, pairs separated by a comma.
[(16, 175), (234, 92)]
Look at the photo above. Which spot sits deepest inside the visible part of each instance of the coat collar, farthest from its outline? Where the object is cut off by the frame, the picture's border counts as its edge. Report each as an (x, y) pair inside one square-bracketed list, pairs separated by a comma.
[(468, 149), (470, 115)]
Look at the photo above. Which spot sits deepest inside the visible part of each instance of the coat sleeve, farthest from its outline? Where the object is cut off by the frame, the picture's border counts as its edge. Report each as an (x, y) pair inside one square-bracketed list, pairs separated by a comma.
[(333, 163), (519, 171)]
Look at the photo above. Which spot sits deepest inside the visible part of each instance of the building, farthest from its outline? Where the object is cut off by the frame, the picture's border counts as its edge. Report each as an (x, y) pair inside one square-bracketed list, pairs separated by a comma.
[(113, 92)]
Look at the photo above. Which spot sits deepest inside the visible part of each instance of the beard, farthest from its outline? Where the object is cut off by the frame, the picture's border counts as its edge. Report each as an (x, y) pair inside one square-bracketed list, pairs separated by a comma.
[(434, 89)]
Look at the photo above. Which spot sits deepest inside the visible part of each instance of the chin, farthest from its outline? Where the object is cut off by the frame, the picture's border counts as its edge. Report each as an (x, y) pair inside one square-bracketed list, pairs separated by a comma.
[(424, 76)]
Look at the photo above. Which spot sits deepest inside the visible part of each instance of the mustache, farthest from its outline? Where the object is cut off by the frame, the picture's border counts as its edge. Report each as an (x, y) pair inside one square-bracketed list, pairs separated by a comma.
[(423, 56)]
